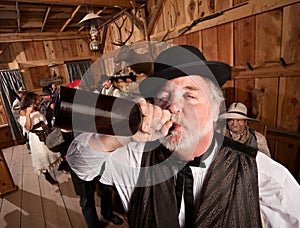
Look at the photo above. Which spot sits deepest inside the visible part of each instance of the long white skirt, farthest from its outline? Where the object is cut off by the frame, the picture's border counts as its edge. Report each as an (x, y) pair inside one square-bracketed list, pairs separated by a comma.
[(42, 158)]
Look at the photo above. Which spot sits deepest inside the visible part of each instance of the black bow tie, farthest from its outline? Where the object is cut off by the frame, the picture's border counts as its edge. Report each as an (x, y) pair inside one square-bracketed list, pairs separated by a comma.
[(185, 180)]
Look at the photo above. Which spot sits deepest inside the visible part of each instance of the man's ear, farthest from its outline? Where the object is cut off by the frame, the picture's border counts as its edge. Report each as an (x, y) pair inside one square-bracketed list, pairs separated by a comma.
[(215, 112)]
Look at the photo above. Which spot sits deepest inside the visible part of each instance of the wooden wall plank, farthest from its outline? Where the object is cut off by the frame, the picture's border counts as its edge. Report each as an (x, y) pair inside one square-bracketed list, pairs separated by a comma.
[(190, 9), (290, 33), (67, 48), (195, 39), (180, 40), (268, 36), (244, 41), (59, 54), (286, 154), (49, 50), (243, 91), (19, 51), (289, 103), (38, 73), (225, 43), (180, 11), (209, 41), (83, 47), (206, 7), (223, 4), (268, 106)]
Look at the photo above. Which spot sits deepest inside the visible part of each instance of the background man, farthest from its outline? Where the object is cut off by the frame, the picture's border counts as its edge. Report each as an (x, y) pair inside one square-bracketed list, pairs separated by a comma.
[(109, 88), (47, 105), (238, 129), (16, 104)]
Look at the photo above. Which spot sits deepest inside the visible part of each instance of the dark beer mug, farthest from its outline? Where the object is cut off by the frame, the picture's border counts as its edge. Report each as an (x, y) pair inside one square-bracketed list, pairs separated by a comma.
[(90, 112)]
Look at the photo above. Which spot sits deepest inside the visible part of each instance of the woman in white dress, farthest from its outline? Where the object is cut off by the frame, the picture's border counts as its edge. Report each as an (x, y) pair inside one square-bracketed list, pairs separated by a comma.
[(43, 159)]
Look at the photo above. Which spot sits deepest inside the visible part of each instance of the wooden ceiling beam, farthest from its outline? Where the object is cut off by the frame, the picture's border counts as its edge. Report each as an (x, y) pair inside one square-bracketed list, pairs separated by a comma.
[(45, 18), (22, 37), (70, 19), (100, 3)]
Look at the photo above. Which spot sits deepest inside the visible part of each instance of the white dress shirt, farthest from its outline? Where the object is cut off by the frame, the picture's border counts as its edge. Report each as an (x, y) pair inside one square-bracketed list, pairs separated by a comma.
[(279, 193), (84, 161)]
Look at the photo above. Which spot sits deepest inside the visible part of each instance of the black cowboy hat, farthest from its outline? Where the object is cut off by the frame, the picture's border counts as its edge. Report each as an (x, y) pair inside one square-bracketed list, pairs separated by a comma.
[(45, 91), (183, 60)]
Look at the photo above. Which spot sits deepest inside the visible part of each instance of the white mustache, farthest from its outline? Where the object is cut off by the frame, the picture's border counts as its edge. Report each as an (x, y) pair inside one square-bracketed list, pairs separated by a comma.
[(175, 118)]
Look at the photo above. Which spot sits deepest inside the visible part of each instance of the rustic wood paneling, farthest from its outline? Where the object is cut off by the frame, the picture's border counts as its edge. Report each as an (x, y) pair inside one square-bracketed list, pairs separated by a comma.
[(38, 73), (195, 39), (191, 10), (243, 91), (289, 103), (268, 36), (50, 50), (180, 40), (209, 41), (59, 53), (223, 4), (206, 8), (34, 50), (225, 43), (291, 33), (19, 52), (269, 99), (244, 41)]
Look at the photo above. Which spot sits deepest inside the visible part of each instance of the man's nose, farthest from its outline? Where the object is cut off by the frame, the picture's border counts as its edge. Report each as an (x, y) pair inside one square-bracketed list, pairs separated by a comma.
[(175, 105)]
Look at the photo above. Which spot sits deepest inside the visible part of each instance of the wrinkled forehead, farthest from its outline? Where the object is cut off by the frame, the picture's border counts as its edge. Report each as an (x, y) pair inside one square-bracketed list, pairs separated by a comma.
[(193, 82)]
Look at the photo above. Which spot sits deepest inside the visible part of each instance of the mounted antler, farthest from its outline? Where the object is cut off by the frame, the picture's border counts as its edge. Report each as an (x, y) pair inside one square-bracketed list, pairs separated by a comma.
[(120, 41)]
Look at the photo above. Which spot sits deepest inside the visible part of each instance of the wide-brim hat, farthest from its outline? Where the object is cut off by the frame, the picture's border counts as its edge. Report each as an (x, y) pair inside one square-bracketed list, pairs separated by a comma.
[(103, 78), (45, 91), (183, 60), (238, 111)]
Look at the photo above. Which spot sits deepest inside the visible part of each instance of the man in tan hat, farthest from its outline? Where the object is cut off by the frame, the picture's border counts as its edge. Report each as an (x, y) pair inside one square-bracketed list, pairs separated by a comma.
[(238, 129)]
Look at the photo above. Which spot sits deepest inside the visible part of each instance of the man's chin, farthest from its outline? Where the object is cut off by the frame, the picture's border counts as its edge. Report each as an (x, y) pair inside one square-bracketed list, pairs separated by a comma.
[(171, 142)]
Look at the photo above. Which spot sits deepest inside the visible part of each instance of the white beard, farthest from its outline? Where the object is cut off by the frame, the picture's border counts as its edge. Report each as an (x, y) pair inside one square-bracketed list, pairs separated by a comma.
[(189, 138)]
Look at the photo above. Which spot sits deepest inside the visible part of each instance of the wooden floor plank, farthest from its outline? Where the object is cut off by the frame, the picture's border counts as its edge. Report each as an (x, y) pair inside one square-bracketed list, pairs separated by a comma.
[(54, 209), (12, 206), (70, 199), (31, 200), (37, 203)]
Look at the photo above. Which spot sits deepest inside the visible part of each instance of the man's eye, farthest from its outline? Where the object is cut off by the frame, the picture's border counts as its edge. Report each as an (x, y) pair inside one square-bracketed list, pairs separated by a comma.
[(190, 96)]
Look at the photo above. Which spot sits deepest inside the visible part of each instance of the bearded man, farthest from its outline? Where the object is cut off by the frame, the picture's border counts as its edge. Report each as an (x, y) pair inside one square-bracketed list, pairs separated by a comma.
[(176, 171)]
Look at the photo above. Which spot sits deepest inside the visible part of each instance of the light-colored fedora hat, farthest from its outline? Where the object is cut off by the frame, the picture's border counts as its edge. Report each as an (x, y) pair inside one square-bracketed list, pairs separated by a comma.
[(236, 110)]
